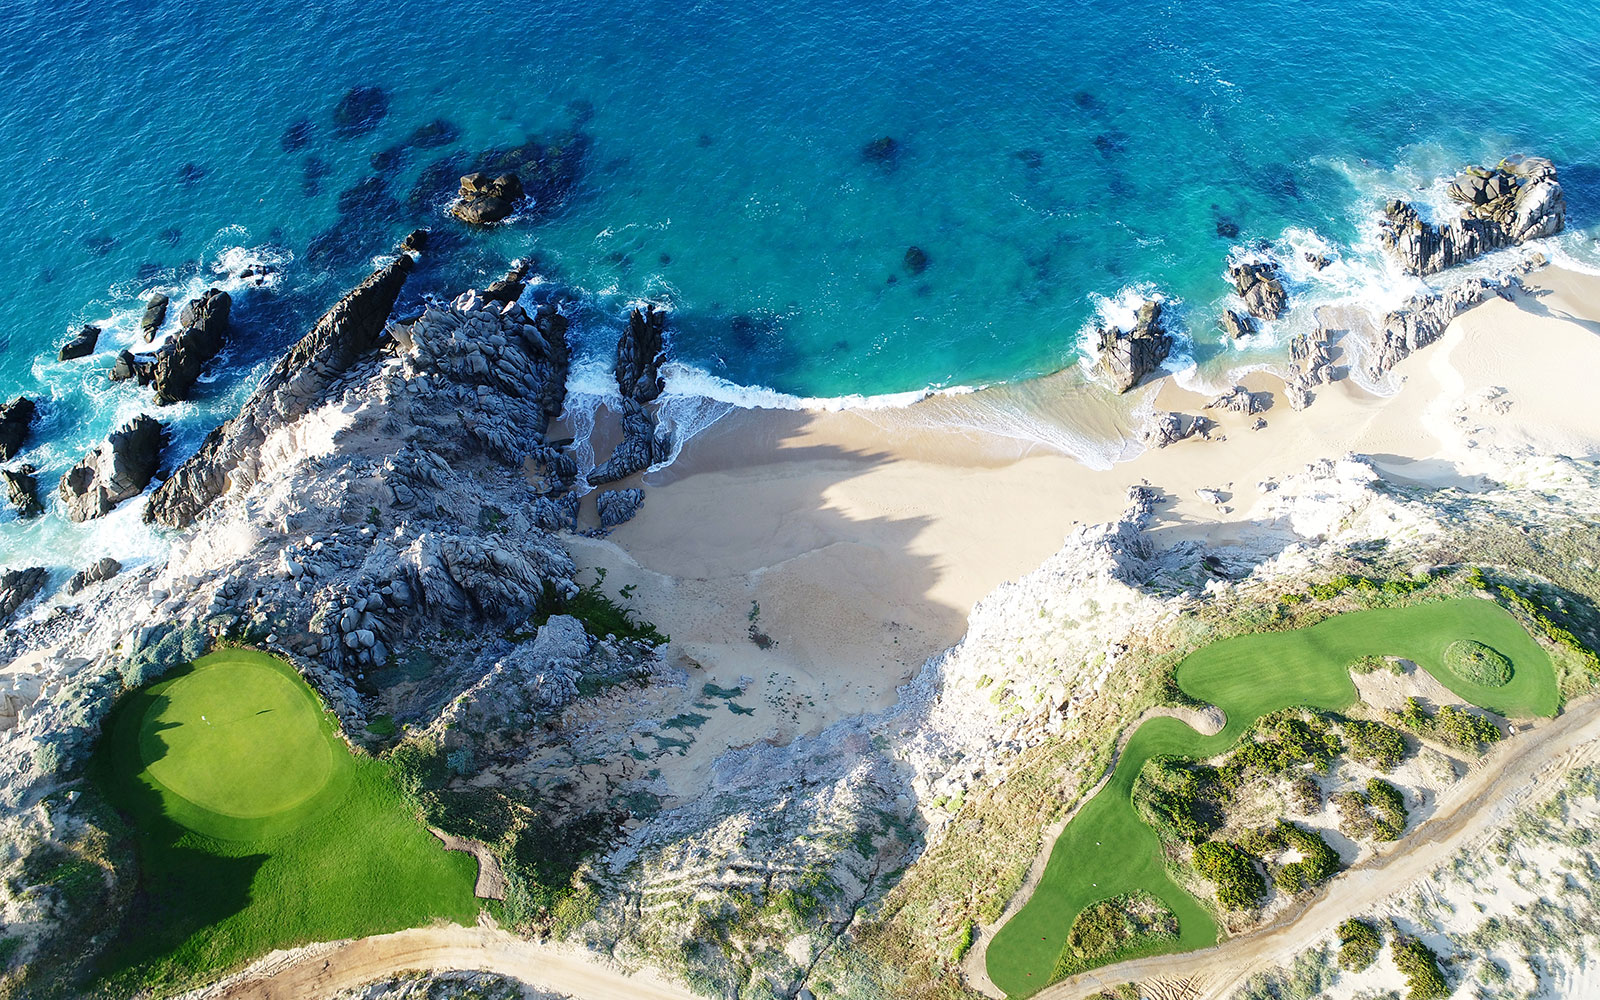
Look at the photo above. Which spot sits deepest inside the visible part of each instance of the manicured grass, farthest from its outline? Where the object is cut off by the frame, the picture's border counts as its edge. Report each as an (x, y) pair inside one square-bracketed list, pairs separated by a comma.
[(1107, 851), (257, 829)]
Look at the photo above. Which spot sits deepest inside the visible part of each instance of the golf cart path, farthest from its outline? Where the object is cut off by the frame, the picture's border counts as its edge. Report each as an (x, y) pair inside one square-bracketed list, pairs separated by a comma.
[(1526, 767), (319, 971)]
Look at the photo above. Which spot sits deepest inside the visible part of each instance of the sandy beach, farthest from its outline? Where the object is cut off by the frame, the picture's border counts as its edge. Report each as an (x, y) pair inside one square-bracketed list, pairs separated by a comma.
[(857, 541)]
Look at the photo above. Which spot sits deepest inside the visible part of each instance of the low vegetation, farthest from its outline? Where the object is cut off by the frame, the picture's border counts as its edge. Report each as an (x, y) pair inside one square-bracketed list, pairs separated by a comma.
[(1417, 962), (1359, 943), (1451, 724), (1374, 744), (1235, 871), (1316, 862), (1379, 813), (1477, 663), (1113, 928)]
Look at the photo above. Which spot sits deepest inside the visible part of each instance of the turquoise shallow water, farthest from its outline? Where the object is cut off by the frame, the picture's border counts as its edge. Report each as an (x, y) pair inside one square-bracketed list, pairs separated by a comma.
[(1048, 154)]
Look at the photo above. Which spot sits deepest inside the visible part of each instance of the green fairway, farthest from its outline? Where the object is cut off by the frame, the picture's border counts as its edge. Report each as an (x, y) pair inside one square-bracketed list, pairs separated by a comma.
[(257, 828), (1106, 850)]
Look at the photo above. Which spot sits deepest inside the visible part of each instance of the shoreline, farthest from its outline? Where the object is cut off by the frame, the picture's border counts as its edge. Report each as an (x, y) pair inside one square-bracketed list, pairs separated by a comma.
[(859, 541)]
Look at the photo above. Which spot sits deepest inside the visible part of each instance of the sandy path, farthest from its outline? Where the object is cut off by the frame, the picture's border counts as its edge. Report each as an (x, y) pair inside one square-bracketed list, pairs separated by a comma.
[(1518, 771), (321, 971)]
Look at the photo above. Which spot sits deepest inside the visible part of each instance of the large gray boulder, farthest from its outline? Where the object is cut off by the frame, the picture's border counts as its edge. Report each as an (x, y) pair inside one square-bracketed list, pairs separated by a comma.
[(155, 313), (17, 585), (203, 327), (640, 352), (483, 200), (96, 572), (22, 489), (120, 468), (1257, 283), (618, 507), (80, 346), (1125, 357)]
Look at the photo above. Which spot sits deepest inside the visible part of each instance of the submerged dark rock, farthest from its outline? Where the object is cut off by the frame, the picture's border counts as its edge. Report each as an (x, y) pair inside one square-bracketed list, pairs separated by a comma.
[(155, 313), (190, 173), (360, 111), (80, 346), (916, 261), (883, 152), (1227, 229), (22, 489), (120, 468), (227, 458), (297, 135), (96, 572), (438, 132), (16, 418), (1516, 201), (1126, 357), (316, 168)]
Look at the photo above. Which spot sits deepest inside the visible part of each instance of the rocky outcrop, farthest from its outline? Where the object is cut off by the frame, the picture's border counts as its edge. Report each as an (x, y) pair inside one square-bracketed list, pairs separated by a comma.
[(96, 572), (618, 507), (483, 199), (1170, 428), (1235, 325), (1516, 201), (22, 489), (1311, 356), (80, 346), (1423, 320), (641, 447), (511, 287), (1257, 283), (227, 458), (640, 351), (120, 468), (16, 418), (17, 586), (359, 111), (203, 327), (1125, 357), (155, 313), (1241, 400)]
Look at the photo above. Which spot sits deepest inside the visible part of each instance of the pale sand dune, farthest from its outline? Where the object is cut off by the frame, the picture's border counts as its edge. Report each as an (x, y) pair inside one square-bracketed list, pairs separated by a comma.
[(866, 536)]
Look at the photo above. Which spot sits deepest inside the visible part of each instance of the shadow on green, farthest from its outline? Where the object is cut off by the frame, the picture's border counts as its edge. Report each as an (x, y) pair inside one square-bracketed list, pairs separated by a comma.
[(294, 864)]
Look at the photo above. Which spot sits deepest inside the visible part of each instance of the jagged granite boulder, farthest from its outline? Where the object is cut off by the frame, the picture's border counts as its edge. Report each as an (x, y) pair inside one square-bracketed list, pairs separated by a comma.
[(482, 199), (556, 513), (22, 489), (1125, 357), (203, 325), (1170, 428), (16, 418), (228, 456), (1516, 201), (1257, 283), (1423, 320), (80, 346), (640, 351), (17, 585), (1235, 325), (155, 313), (493, 576), (96, 572), (618, 507), (1241, 400), (120, 468), (511, 287), (641, 446)]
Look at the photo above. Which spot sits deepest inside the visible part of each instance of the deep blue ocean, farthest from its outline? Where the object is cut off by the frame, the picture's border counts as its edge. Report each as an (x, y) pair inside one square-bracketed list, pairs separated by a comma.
[(728, 159)]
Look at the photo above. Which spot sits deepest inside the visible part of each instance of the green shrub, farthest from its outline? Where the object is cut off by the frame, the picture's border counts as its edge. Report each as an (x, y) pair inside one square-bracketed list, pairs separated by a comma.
[(1553, 630), (1318, 862), (1424, 980), (1465, 729), (1115, 926), (964, 939), (1359, 942), (1379, 813), (601, 615), (1477, 664), (1374, 744), (1168, 794), (1233, 869)]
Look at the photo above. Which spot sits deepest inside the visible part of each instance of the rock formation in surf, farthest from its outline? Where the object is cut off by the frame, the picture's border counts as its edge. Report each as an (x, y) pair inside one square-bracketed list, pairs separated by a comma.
[(1516, 201), (1125, 357), (120, 468)]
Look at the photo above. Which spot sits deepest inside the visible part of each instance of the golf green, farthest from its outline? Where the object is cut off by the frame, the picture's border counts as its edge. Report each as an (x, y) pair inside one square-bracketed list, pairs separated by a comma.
[(238, 746), (1106, 850)]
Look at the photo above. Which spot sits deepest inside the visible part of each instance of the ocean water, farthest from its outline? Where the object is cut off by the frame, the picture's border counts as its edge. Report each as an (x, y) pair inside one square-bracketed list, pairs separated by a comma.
[(1048, 158)]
